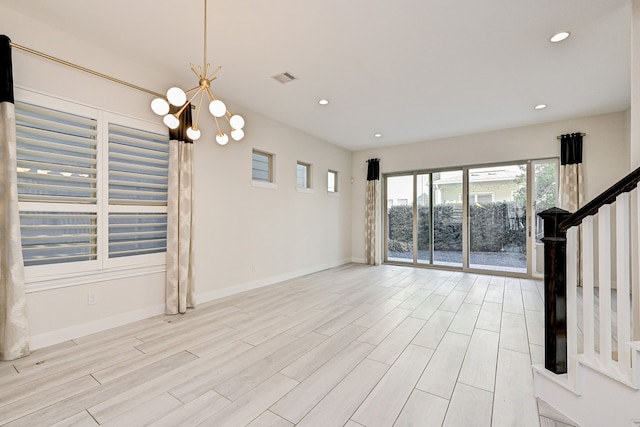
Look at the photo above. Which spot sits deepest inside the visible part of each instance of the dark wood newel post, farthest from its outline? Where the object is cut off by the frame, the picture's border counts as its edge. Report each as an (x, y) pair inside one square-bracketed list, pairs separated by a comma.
[(555, 290)]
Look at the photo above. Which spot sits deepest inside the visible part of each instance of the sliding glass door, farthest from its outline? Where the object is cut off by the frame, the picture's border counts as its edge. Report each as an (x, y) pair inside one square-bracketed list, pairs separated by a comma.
[(447, 218), (400, 195), (423, 201), (424, 218), (473, 218), (498, 218)]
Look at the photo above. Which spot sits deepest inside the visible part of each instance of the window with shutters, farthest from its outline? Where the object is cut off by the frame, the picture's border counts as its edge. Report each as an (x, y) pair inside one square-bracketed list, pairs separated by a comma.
[(303, 175), (261, 166), (138, 181), (92, 188)]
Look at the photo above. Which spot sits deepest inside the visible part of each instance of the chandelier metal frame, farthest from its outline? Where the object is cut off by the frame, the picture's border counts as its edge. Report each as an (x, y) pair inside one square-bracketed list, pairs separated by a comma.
[(178, 98)]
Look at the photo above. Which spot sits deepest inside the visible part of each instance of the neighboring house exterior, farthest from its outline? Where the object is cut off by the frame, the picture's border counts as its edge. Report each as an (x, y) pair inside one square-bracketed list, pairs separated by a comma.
[(488, 185)]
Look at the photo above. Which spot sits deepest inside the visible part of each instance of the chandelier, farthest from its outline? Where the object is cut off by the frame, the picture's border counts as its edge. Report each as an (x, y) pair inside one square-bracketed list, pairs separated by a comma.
[(183, 99)]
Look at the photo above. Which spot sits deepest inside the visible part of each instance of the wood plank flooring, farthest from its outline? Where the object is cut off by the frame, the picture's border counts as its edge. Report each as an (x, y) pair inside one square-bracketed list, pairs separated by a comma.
[(350, 346)]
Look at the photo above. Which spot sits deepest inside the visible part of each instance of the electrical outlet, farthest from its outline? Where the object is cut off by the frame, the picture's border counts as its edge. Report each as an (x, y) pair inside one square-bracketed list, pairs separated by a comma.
[(91, 299)]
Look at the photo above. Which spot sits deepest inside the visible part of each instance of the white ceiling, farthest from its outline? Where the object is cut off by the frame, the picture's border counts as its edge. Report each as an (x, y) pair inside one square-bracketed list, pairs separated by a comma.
[(412, 70)]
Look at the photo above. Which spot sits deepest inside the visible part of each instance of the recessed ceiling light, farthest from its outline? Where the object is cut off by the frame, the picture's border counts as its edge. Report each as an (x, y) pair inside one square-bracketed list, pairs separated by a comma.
[(323, 102), (377, 135), (563, 35), (540, 106)]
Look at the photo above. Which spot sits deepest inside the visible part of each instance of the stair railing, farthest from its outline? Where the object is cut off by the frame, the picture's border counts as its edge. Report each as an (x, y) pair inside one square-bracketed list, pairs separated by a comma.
[(569, 260)]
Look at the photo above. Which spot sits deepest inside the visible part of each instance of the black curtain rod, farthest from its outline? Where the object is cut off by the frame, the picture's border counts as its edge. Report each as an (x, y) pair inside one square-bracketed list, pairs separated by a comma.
[(367, 161), (560, 136)]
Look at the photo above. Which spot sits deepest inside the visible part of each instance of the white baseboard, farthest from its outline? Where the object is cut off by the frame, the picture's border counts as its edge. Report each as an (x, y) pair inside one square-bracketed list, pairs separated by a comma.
[(359, 260), (248, 286), (77, 331)]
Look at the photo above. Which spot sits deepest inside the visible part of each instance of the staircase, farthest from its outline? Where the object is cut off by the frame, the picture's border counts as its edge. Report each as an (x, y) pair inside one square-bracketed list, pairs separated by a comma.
[(592, 364)]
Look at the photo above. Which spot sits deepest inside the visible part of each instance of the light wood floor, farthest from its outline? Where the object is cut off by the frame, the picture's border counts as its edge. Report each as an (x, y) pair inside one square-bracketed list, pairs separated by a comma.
[(351, 346)]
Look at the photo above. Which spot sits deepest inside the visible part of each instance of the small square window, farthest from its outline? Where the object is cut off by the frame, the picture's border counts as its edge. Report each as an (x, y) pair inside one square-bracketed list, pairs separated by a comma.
[(303, 175), (262, 166), (332, 182)]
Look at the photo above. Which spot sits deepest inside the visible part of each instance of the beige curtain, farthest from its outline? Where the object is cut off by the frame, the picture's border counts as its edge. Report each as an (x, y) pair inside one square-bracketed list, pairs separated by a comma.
[(373, 224), (571, 187), (14, 327), (180, 294)]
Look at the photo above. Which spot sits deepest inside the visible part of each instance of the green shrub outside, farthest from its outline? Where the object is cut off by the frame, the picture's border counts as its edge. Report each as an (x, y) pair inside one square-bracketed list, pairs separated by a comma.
[(494, 227)]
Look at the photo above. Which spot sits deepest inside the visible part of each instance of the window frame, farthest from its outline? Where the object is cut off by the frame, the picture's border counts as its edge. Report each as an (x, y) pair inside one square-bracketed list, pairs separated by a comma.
[(132, 260), (270, 167), (336, 187), (55, 275), (308, 184)]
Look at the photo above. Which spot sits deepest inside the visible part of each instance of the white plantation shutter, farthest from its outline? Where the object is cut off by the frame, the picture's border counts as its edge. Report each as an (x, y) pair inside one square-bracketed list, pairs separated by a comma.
[(138, 167), (92, 188), (57, 155), (138, 179), (261, 166), (57, 171), (57, 237), (137, 234)]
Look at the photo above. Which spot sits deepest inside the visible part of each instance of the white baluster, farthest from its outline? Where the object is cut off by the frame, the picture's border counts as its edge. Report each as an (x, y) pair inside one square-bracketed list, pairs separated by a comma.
[(604, 282), (623, 274), (587, 286)]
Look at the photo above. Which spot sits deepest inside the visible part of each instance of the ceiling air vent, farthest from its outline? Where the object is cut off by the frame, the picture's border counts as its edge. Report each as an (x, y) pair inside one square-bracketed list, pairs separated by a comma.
[(285, 77)]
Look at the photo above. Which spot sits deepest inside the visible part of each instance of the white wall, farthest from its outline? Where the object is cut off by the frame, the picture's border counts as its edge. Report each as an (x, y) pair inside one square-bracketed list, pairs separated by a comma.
[(245, 236), (606, 156)]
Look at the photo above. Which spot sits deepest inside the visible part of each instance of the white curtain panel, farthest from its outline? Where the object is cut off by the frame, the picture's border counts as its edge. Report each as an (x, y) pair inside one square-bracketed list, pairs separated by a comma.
[(14, 327), (180, 294)]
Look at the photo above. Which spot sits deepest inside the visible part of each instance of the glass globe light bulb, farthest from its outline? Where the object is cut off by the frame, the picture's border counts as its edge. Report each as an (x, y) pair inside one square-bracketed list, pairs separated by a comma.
[(237, 134), (217, 108), (160, 106), (222, 138), (236, 121), (176, 96), (171, 121), (193, 134), (563, 35)]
